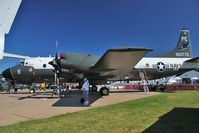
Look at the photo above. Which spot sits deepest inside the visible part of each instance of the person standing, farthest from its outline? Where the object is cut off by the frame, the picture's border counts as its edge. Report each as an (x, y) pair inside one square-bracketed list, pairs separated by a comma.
[(85, 91), (69, 89), (16, 87)]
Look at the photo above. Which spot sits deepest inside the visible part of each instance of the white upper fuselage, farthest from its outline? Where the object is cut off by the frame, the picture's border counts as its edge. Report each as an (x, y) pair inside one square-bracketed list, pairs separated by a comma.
[(151, 62), (38, 62), (144, 63)]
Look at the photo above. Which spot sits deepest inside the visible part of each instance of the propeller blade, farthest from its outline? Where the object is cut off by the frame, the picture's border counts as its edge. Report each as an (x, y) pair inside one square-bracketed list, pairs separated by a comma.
[(56, 64)]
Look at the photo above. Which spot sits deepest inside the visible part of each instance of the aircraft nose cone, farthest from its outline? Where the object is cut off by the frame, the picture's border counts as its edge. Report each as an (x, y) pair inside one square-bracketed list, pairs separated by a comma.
[(7, 74)]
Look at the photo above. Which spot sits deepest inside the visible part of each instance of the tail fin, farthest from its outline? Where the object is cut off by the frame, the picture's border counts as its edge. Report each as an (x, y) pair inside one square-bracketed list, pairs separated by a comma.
[(8, 10), (183, 48)]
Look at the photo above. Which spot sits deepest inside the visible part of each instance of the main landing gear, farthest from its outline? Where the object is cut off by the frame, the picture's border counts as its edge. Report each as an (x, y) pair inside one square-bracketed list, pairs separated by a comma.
[(32, 91), (104, 91), (160, 87)]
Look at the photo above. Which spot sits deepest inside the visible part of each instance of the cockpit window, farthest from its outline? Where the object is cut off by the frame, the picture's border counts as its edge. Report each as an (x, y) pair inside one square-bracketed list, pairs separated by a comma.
[(20, 64)]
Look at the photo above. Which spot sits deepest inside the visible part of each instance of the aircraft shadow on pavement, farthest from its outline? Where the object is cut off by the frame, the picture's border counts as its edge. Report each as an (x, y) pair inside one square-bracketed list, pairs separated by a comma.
[(37, 95), (178, 120), (19, 92), (73, 100)]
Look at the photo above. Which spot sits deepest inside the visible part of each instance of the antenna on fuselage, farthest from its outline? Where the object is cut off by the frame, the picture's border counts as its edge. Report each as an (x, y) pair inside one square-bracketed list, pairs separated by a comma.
[(56, 48), (56, 69)]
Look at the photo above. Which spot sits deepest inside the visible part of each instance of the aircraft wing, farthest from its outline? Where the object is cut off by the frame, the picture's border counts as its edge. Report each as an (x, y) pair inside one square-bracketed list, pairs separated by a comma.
[(15, 56), (118, 62), (193, 63), (8, 10)]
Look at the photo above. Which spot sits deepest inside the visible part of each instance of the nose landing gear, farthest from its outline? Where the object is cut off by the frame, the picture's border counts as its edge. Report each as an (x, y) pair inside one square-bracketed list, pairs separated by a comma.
[(32, 91)]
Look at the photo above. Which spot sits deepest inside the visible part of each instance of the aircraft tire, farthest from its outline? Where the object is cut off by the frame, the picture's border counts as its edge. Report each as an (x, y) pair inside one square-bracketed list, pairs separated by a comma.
[(153, 88), (162, 88), (104, 91), (94, 88), (32, 91)]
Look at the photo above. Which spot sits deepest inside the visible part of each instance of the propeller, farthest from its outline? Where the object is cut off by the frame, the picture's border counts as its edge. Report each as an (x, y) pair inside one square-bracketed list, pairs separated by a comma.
[(56, 64)]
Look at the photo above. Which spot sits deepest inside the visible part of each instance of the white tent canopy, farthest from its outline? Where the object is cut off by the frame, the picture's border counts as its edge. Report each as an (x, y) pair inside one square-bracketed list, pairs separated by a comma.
[(195, 78), (178, 78)]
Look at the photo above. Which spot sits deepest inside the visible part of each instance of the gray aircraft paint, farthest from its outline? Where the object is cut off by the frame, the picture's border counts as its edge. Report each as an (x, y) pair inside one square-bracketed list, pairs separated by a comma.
[(28, 74)]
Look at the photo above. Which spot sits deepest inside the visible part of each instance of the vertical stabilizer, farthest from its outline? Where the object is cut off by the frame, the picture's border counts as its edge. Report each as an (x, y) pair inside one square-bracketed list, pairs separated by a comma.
[(8, 10), (183, 48)]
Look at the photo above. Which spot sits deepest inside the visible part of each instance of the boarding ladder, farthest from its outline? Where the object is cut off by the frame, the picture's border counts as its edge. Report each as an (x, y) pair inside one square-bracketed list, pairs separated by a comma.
[(144, 81)]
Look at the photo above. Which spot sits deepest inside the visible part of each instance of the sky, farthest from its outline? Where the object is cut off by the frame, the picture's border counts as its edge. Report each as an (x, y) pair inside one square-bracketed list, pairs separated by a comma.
[(93, 26)]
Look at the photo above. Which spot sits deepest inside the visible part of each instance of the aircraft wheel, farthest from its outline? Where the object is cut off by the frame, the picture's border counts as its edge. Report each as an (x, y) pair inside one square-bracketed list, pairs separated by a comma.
[(104, 91), (153, 88), (94, 88), (162, 88), (32, 91), (82, 100)]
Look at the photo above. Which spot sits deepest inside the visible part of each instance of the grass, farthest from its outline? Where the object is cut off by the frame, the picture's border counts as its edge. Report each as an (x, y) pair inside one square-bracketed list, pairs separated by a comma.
[(167, 112)]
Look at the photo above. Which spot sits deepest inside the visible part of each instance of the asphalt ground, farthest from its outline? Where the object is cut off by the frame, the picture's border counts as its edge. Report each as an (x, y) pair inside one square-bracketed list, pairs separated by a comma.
[(23, 106)]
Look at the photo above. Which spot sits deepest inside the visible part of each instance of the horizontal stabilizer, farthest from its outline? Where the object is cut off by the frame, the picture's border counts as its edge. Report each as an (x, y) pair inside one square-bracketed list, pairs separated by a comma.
[(193, 60), (15, 56)]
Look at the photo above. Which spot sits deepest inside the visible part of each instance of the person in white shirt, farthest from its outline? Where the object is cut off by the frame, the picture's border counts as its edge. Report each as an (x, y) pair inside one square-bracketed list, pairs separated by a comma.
[(85, 91)]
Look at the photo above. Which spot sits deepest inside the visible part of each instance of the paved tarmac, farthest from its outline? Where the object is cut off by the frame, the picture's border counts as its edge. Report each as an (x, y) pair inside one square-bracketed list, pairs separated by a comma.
[(23, 106)]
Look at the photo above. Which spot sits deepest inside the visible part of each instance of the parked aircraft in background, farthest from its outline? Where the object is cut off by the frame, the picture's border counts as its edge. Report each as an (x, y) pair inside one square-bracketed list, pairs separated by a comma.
[(114, 65)]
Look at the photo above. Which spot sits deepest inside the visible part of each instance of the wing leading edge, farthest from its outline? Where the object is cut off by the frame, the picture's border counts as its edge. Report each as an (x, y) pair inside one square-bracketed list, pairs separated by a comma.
[(118, 62), (15, 56)]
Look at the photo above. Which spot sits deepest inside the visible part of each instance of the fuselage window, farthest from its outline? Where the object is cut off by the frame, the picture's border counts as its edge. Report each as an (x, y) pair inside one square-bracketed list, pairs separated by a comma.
[(44, 65), (21, 64)]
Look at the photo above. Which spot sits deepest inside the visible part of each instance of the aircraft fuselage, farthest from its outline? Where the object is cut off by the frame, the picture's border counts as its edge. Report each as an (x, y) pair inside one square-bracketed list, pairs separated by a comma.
[(38, 70)]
